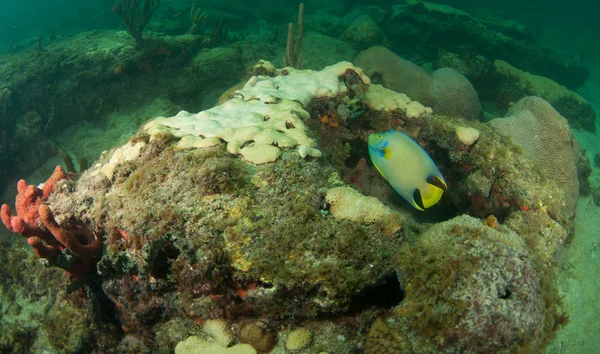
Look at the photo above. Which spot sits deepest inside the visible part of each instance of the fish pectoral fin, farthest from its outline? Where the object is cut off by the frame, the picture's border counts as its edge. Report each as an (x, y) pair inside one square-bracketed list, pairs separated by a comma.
[(430, 195)]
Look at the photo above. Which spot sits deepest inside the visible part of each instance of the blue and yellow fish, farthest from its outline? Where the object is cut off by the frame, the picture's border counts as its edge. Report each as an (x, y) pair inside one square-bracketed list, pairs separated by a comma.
[(407, 167)]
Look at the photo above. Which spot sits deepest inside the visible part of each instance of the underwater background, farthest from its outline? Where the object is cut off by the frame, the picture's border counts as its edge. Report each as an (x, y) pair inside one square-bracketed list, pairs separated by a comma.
[(222, 188)]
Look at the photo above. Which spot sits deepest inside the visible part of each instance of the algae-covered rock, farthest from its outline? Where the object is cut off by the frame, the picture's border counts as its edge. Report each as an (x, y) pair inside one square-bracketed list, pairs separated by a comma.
[(423, 28), (472, 288), (363, 33), (505, 80)]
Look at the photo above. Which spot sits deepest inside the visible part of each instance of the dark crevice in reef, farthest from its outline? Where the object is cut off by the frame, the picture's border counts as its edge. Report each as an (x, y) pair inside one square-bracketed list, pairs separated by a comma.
[(161, 267), (384, 295)]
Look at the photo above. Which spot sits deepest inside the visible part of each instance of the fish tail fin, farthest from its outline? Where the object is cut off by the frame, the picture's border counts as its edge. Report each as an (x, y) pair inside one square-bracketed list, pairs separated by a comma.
[(430, 195)]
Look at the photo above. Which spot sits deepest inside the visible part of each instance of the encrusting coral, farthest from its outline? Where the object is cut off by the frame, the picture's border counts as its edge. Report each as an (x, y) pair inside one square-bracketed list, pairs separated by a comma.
[(268, 113)]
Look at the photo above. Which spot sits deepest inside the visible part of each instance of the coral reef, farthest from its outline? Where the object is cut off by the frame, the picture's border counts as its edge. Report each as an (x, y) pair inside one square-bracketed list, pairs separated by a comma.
[(517, 84), (205, 250), (260, 224), (105, 75)]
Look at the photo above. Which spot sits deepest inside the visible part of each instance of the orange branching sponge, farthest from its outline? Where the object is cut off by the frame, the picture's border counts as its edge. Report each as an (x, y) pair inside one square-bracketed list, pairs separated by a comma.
[(28, 199), (83, 243), (49, 242)]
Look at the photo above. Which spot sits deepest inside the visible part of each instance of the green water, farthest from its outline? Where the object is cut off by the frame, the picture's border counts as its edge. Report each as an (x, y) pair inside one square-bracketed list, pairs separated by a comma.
[(75, 80)]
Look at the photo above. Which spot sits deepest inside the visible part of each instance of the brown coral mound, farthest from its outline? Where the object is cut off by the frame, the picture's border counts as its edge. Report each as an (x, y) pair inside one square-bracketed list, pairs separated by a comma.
[(384, 67), (545, 138), (454, 95), (448, 92), (471, 288), (363, 32)]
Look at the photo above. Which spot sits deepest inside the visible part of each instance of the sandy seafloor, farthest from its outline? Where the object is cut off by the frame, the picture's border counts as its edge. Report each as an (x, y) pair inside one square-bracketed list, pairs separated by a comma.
[(579, 273)]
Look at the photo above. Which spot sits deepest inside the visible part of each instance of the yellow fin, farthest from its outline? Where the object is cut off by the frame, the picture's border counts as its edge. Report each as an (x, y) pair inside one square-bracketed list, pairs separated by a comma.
[(430, 195), (413, 202)]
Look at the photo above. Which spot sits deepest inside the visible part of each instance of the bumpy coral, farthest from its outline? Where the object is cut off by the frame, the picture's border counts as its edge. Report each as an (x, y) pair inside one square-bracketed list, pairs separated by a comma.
[(472, 288), (446, 91), (386, 68), (219, 330), (454, 95), (197, 345), (349, 204), (544, 136), (385, 340), (379, 98), (299, 338)]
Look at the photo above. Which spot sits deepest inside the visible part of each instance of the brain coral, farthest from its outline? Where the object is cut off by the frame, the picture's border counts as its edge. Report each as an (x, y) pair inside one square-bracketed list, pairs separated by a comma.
[(386, 68), (454, 95), (544, 137)]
